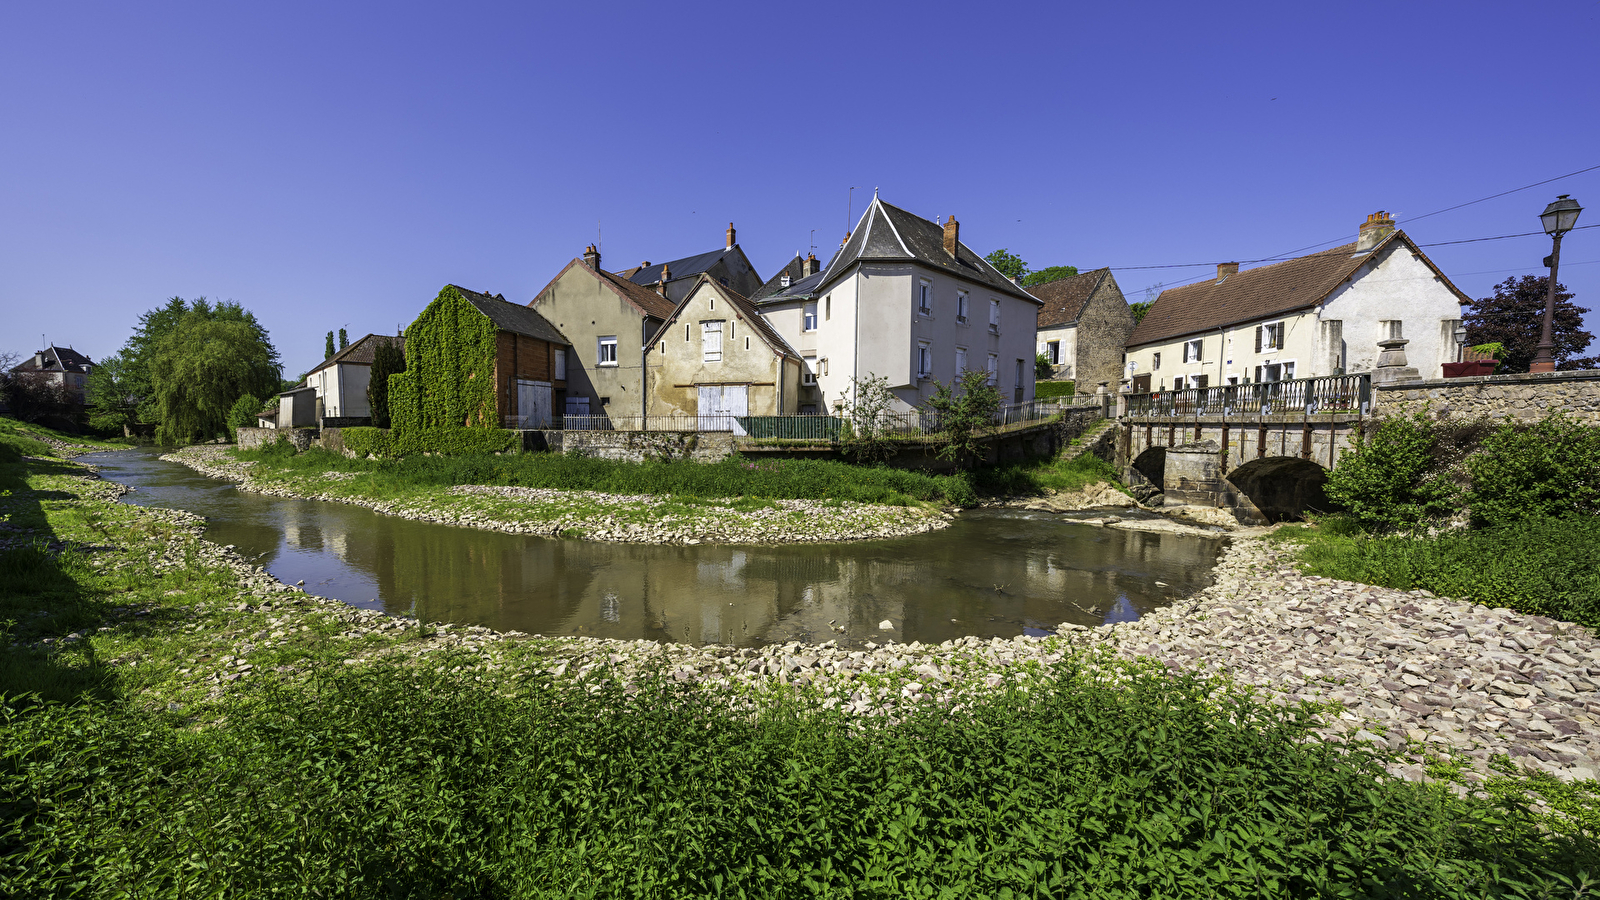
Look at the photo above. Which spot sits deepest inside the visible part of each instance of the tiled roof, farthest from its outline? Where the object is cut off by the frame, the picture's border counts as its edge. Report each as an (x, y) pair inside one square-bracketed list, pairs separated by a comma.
[(888, 232), (1258, 293), (1065, 298), (648, 301), (56, 359), (678, 269), (508, 316), (746, 309), (361, 352)]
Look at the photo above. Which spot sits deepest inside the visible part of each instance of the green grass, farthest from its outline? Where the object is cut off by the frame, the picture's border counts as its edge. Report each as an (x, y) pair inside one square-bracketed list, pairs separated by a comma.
[(24, 438), (1548, 567), (1062, 476)]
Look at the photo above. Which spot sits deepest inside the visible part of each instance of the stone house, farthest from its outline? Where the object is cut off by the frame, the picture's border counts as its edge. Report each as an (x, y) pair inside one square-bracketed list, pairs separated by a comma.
[(1312, 316), (340, 382), (906, 301), (728, 267), (716, 358), (609, 321), (60, 366), (1083, 327)]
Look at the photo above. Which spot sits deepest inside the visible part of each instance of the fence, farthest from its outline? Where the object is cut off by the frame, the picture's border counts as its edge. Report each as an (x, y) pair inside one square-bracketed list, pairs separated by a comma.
[(828, 429), (1333, 394)]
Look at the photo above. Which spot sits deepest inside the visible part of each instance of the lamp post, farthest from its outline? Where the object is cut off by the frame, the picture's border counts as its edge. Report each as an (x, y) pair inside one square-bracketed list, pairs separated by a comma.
[(1558, 219), (1460, 335)]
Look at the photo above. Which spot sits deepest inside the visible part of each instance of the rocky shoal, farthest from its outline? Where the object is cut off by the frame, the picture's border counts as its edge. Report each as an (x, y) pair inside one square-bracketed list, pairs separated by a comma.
[(591, 515)]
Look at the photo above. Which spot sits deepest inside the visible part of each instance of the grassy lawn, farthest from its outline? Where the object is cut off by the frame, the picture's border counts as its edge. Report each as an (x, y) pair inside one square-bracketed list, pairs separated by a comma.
[(170, 727)]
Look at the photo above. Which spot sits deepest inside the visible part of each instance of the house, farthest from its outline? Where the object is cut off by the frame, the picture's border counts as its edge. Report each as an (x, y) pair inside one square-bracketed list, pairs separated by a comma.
[(789, 302), (530, 361), (715, 358), (1312, 316), (1083, 327), (340, 381), (728, 267), (906, 301), (60, 366), (609, 320)]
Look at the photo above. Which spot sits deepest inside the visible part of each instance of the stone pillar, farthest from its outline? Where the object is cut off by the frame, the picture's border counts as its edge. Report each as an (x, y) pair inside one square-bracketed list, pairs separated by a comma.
[(1392, 368), (1194, 474)]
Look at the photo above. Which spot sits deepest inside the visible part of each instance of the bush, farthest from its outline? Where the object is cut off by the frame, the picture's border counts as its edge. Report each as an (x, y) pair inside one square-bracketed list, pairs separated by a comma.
[(1050, 390), (1390, 482), (242, 415), (1548, 567), (1043, 367), (1551, 469), (452, 441), (364, 442)]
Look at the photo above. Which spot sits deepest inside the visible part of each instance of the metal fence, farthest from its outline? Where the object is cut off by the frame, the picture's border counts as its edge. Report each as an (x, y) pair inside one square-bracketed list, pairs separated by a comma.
[(1332, 394)]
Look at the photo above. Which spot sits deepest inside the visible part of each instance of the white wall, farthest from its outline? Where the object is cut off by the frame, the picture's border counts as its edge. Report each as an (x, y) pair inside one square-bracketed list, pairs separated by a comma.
[(1398, 286)]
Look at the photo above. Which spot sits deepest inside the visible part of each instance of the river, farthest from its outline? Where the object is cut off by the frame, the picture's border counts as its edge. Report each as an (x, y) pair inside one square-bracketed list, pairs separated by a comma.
[(992, 573)]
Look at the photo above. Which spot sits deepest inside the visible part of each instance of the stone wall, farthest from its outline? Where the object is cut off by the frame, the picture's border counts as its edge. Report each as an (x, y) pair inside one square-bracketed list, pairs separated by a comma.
[(1519, 397), (638, 446), (251, 438)]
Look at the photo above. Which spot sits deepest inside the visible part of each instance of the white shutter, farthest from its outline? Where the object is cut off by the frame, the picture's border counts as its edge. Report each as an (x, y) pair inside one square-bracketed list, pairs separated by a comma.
[(711, 341)]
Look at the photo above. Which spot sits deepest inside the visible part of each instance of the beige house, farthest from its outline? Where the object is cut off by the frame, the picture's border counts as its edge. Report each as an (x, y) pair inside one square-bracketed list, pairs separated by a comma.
[(340, 381), (1308, 317), (716, 359), (1083, 327)]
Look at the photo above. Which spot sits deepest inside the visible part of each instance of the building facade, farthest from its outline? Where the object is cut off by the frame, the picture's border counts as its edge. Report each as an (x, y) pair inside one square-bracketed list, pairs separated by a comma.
[(1084, 324), (716, 359), (340, 382)]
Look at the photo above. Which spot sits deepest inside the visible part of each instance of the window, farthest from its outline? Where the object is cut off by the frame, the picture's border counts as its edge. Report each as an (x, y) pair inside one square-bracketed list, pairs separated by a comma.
[(561, 363), (961, 306), (1155, 361), (1288, 370), (1018, 382), (1177, 382), (994, 369), (924, 360), (808, 409), (1191, 351), (811, 317), (994, 316), (1052, 352), (711, 340), (827, 307), (961, 360), (925, 297), (1269, 337), (784, 279), (607, 355), (663, 346), (808, 371), (686, 332), (1390, 329)]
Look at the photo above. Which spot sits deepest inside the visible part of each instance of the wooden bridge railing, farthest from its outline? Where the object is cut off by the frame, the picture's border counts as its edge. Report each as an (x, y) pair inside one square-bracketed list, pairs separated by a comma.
[(1350, 394)]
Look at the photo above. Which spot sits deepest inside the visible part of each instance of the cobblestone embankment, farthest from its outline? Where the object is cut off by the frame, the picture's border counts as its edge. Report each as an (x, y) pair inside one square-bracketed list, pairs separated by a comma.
[(595, 516)]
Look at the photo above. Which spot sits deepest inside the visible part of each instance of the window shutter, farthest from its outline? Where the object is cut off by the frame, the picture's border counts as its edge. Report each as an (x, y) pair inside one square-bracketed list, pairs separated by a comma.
[(1199, 349), (1258, 342)]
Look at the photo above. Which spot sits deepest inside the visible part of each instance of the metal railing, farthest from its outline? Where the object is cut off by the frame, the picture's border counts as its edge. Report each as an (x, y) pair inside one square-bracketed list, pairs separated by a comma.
[(1332, 394)]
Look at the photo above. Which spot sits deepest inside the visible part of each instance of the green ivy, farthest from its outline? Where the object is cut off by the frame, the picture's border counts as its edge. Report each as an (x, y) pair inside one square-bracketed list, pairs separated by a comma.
[(367, 441), (449, 379), (452, 441)]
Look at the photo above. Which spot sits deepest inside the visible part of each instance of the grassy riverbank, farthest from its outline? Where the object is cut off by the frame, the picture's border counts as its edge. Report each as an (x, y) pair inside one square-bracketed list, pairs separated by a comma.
[(173, 725)]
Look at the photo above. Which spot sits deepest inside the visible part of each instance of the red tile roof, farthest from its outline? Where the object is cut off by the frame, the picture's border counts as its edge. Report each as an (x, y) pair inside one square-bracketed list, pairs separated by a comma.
[(1065, 298)]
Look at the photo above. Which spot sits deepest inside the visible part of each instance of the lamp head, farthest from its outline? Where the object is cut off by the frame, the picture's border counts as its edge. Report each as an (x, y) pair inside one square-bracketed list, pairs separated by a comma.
[(1560, 215)]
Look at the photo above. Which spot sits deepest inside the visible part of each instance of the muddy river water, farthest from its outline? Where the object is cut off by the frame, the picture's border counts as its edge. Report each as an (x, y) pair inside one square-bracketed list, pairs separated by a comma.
[(992, 573)]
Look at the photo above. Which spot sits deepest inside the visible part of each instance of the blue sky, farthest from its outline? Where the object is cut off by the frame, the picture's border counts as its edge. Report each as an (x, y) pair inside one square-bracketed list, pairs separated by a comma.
[(333, 165)]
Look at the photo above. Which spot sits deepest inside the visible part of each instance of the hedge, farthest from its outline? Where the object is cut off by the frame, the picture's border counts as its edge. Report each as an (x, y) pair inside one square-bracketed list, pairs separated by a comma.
[(452, 441), (364, 442)]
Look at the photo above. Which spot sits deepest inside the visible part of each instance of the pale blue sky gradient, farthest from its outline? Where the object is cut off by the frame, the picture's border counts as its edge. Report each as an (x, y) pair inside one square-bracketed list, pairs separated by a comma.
[(334, 165)]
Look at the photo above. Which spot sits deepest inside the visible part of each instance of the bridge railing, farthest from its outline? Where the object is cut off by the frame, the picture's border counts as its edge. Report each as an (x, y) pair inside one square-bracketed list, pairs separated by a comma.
[(1332, 394)]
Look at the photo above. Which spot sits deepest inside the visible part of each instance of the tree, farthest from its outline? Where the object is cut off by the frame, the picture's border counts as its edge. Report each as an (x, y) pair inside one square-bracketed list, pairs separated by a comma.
[(344, 340), (966, 412), (201, 367), (1139, 308), (387, 360), (132, 380), (36, 397), (113, 394), (1048, 274), (1514, 318), (242, 414), (1007, 263), (328, 349), (866, 414), (1042, 367)]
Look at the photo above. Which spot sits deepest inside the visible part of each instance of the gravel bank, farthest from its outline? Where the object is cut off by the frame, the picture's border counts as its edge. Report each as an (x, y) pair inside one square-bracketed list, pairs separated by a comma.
[(590, 515)]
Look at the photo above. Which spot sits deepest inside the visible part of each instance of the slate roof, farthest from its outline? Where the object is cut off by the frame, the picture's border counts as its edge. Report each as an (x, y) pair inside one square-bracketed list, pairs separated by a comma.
[(1065, 298), (747, 310), (56, 359), (888, 232), (361, 351), (1261, 293), (792, 268), (508, 316), (688, 267), (805, 288)]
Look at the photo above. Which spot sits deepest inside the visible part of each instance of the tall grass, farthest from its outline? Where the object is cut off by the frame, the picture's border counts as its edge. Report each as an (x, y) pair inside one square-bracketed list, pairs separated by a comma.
[(405, 783)]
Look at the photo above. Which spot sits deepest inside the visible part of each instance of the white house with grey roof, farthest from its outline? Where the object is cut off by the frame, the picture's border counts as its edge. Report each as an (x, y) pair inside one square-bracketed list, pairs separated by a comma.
[(906, 301)]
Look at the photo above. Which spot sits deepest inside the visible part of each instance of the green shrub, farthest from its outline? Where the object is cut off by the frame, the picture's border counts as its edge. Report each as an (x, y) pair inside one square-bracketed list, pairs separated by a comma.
[(363, 441), (407, 783), (1050, 390), (1548, 567), (1551, 469), (242, 415), (1389, 481), (453, 441)]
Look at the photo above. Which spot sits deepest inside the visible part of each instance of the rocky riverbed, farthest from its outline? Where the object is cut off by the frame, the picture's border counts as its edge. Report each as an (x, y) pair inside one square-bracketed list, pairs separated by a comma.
[(590, 515)]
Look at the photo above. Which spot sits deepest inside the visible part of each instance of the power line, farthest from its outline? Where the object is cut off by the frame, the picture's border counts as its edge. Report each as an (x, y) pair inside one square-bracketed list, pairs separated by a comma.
[(1501, 194)]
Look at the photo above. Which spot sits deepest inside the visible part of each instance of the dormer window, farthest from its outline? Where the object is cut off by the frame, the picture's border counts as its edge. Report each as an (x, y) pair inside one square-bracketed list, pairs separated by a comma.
[(784, 279)]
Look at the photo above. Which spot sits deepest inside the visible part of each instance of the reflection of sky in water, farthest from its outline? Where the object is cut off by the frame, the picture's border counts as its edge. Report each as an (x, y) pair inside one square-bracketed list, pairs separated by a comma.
[(993, 573), (1121, 611)]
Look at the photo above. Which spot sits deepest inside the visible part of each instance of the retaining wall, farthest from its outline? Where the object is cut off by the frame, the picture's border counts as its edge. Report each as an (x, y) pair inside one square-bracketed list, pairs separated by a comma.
[(251, 438), (1524, 397), (638, 446)]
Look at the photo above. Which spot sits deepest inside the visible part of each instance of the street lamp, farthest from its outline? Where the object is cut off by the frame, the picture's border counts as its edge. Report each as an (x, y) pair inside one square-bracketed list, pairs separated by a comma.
[(1558, 219)]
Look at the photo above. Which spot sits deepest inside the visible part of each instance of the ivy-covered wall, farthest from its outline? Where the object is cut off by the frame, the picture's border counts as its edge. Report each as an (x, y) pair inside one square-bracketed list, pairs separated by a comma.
[(449, 376)]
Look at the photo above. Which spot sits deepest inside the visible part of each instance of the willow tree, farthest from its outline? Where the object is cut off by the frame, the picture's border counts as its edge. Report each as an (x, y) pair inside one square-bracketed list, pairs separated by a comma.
[(203, 365)]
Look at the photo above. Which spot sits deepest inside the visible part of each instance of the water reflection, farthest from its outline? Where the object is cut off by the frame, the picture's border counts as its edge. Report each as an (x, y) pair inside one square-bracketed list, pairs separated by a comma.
[(993, 573)]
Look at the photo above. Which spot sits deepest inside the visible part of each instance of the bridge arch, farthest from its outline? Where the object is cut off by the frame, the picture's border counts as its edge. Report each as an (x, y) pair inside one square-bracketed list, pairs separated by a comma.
[(1152, 465), (1283, 488)]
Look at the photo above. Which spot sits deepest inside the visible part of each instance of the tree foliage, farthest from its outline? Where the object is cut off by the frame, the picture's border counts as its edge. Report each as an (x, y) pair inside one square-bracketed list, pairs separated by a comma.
[(344, 340), (1012, 266), (1048, 274), (387, 359), (1548, 470), (866, 416), (201, 366), (327, 346), (966, 411), (242, 415), (1514, 318), (1139, 309), (113, 392), (36, 397)]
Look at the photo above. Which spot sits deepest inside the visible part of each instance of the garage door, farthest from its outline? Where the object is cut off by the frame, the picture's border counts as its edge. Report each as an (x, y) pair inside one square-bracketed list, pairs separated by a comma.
[(720, 404)]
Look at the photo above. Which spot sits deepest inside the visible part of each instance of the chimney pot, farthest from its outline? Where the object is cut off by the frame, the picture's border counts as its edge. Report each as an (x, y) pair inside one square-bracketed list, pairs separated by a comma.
[(732, 235), (1378, 226), (666, 275), (1226, 269), (809, 265), (952, 236), (591, 257)]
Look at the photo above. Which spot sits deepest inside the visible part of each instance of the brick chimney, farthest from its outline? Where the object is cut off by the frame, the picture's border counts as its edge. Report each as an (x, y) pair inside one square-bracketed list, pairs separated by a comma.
[(591, 257), (1226, 269), (733, 236), (1378, 226), (808, 266), (952, 236), (661, 286)]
